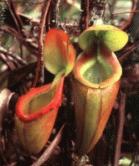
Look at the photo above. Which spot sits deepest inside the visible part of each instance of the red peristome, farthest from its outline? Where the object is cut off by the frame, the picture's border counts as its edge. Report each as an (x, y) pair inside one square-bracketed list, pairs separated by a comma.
[(54, 104), (63, 43)]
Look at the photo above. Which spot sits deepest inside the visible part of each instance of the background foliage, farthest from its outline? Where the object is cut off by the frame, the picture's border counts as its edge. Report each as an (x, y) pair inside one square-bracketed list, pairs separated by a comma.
[(19, 55)]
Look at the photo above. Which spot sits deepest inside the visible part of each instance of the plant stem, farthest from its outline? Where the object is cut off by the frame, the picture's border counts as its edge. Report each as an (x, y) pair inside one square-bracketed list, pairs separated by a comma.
[(15, 16), (40, 40), (29, 44), (121, 115), (132, 12), (84, 21), (128, 51), (13, 57), (54, 11), (48, 152)]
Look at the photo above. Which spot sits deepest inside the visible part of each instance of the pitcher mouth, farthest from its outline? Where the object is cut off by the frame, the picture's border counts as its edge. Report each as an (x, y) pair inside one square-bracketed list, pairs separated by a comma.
[(98, 71), (27, 110)]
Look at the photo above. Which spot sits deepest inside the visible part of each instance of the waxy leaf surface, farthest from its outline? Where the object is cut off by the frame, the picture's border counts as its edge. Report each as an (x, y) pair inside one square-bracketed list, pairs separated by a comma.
[(58, 52), (108, 35), (36, 112), (95, 87)]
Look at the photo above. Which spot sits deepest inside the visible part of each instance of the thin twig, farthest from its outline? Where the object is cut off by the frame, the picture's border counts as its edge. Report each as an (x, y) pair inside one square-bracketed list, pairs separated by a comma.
[(134, 6), (121, 121), (126, 12), (28, 20), (15, 16), (6, 61), (85, 14), (12, 56), (111, 8), (11, 60), (31, 3), (48, 152), (45, 9), (129, 50), (28, 43), (17, 20), (54, 13)]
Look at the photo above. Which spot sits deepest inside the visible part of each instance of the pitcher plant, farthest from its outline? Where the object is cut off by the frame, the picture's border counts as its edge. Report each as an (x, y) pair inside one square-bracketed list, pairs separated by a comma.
[(96, 80), (36, 111)]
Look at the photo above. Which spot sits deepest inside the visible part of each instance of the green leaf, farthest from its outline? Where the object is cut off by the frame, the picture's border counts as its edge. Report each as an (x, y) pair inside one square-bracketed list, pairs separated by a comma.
[(59, 54), (108, 35)]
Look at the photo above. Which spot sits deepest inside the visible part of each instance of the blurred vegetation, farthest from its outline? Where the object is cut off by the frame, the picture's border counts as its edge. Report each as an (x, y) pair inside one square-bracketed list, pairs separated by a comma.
[(18, 55)]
